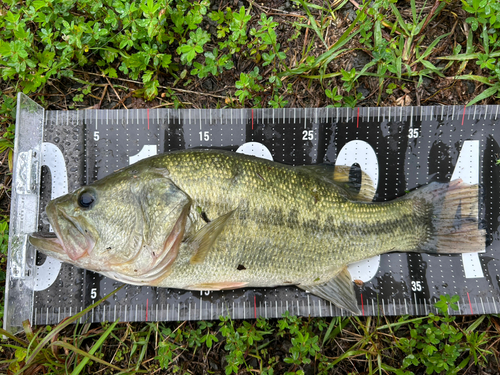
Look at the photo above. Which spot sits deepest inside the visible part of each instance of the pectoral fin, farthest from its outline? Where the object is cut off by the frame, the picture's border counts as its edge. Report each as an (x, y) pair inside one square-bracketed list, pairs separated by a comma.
[(204, 239), (339, 290)]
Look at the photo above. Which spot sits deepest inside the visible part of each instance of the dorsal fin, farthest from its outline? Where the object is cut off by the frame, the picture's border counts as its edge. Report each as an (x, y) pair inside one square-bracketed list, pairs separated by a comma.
[(340, 175), (203, 240)]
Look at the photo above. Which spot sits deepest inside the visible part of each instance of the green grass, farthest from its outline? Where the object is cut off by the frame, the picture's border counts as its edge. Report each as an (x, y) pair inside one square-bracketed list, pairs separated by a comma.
[(146, 41), (158, 50)]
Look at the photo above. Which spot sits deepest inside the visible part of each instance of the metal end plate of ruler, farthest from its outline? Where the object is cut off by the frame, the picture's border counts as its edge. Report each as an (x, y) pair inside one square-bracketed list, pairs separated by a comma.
[(399, 148)]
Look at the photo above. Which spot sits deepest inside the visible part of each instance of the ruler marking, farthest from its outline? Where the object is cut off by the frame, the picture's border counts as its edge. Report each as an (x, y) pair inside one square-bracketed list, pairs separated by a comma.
[(178, 312), (276, 309), (201, 308), (416, 303), (114, 315), (383, 306), (378, 115), (496, 113), (459, 307), (357, 120), (394, 305), (147, 306), (308, 305), (474, 116), (463, 116), (126, 312), (482, 304), (252, 117), (319, 307), (265, 308), (255, 306), (442, 112), (495, 305), (470, 304), (411, 118), (136, 312), (189, 311), (401, 114)]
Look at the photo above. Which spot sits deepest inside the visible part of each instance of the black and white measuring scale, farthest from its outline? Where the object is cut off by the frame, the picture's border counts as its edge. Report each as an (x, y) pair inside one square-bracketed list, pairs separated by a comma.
[(399, 148)]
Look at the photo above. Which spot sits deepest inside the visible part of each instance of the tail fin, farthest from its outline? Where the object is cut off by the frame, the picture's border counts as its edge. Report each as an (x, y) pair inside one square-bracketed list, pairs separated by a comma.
[(454, 218)]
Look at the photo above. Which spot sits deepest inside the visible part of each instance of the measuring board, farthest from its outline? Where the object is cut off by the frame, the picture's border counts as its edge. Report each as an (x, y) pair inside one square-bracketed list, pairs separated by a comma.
[(399, 148)]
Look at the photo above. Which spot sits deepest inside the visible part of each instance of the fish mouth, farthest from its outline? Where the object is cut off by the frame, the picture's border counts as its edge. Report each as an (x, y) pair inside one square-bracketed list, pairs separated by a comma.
[(68, 239)]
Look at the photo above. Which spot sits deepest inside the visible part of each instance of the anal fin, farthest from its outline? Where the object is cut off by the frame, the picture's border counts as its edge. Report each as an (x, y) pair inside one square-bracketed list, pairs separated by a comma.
[(339, 290)]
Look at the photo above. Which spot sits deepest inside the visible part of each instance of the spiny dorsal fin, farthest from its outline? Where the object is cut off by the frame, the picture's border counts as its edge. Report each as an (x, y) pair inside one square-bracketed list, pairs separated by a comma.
[(203, 240), (339, 290), (339, 174)]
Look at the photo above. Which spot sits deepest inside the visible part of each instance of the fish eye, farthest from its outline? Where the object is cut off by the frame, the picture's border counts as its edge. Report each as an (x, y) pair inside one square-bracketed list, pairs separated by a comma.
[(86, 199)]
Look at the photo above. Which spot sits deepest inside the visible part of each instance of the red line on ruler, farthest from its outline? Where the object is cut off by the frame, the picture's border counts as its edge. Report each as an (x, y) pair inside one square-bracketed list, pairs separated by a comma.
[(255, 307), (463, 117), (470, 304), (148, 129), (147, 300), (362, 305), (252, 118), (357, 125)]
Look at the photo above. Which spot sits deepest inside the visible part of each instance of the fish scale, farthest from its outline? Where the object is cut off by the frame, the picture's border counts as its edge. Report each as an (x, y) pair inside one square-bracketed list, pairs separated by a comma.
[(463, 140)]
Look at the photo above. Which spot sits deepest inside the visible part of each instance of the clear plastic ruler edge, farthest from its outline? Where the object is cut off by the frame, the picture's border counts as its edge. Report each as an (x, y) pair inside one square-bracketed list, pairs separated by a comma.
[(24, 212)]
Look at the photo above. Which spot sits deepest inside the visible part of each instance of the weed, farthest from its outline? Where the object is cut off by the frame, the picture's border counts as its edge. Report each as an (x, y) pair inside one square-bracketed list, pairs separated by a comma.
[(248, 87), (485, 18), (38, 349), (242, 341)]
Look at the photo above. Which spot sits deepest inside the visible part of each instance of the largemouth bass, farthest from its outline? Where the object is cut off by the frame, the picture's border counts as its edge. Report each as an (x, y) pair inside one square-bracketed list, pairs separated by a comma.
[(214, 220)]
